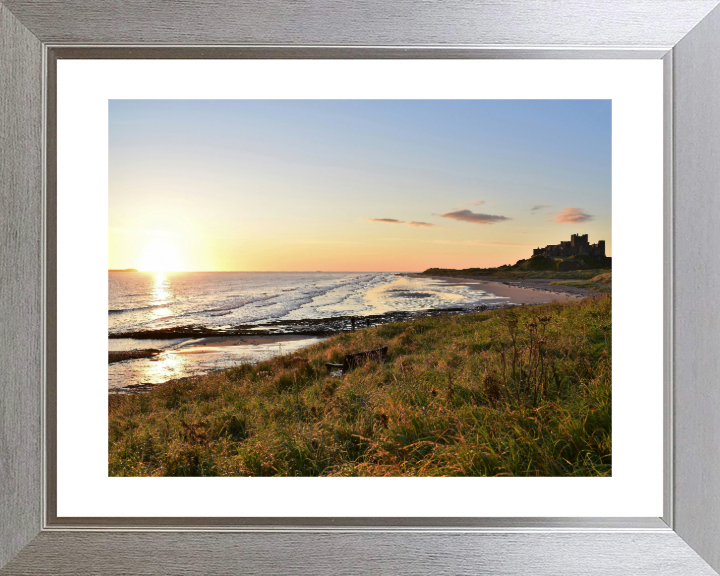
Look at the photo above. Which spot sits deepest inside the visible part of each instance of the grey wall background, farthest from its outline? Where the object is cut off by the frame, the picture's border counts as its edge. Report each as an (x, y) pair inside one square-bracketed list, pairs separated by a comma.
[(649, 27)]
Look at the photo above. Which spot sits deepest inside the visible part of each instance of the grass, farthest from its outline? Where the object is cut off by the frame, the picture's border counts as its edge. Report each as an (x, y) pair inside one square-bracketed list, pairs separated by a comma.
[(537, 267), (509, 273), (517, 392), (529, 274), (600, 283)]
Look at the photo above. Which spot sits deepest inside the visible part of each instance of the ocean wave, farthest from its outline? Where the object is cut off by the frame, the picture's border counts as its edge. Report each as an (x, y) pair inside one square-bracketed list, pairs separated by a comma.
[(311, 299), (222, 304), (231, 306), (140, 309)]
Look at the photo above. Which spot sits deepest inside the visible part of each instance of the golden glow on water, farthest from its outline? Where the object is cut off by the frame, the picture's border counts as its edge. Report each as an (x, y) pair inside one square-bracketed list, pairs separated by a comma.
[(195, 358), (161, 368), (161, 294), (164, 367)]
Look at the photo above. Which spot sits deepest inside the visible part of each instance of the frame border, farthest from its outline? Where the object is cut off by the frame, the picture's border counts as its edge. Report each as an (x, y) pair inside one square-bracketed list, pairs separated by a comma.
[(52, 520), (553, 546)]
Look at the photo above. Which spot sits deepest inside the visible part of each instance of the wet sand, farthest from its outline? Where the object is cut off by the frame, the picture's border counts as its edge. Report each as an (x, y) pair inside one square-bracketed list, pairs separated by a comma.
[(517, 291), (197, 357)]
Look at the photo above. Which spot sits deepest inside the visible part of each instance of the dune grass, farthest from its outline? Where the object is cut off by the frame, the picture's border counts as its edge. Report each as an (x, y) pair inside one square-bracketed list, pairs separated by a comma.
[(549, 274), (599, 283), (518, 392), (605, 278), (510, 273)]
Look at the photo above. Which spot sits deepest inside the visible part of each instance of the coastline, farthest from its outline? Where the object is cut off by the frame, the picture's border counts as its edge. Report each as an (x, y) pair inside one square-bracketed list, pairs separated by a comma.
[(144, 360), (513, 292), (518, 291), (415, 413), (142, 369), (319, 327)]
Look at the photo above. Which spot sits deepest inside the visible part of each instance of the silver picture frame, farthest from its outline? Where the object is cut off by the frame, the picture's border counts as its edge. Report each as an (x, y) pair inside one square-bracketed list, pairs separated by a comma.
[(685, 34)]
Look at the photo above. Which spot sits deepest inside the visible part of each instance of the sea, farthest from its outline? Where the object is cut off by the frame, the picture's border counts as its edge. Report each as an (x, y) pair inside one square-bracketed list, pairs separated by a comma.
[(203, 321)]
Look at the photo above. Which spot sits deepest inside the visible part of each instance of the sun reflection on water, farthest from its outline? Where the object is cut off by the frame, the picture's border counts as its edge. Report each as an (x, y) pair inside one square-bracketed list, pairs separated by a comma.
[(161, 294), (194, 358)]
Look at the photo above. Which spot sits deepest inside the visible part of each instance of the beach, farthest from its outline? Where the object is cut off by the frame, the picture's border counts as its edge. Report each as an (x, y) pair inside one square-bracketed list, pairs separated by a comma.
[(518, 291), (518, 392), (170, 347)]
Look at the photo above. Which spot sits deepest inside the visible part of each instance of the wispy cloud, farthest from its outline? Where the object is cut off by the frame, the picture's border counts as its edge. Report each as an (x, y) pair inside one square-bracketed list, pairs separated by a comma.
[(572, 216), (473, 218), (395, 221), (476, 203), (539, 207), (478, 243), (385, 220)]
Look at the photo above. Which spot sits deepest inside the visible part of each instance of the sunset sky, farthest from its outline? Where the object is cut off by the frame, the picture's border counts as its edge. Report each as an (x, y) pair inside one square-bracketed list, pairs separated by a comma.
[(360, 185)]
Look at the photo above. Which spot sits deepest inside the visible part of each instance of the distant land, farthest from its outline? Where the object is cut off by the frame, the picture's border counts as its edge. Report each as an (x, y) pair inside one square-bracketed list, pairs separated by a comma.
[(126, 270), (573, 259)]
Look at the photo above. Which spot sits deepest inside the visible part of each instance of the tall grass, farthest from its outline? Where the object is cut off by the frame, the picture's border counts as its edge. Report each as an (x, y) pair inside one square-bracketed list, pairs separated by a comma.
[(549, 274), (518, 392), (599, 283), (519, 274)]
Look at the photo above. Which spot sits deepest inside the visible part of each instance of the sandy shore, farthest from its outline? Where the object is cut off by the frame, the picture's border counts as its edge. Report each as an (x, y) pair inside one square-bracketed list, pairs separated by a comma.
[(516, 291)]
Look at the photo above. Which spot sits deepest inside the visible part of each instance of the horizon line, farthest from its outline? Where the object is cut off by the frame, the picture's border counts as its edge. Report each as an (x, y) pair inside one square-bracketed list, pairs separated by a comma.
[(246, 271)]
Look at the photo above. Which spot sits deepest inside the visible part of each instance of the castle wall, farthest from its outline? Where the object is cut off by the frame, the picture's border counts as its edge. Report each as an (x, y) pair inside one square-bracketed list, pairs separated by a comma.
[(578, 244)]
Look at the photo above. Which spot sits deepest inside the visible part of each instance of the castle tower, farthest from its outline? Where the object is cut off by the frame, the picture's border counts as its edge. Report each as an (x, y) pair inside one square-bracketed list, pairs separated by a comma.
[(601, 247), (578, 240)]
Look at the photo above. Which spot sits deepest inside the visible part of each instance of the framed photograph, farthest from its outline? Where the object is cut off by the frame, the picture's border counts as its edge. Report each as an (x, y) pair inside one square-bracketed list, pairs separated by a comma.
[(426, 293), (349, 354)]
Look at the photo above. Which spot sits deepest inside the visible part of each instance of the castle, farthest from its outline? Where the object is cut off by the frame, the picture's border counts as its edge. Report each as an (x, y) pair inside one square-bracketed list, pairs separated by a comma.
[(578, 244)]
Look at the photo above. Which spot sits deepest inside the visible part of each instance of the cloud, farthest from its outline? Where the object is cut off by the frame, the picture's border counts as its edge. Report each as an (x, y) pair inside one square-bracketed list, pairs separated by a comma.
[(572, 216), (473, 218), (395, 221), (476, 203), (385, 220), (539, 207)]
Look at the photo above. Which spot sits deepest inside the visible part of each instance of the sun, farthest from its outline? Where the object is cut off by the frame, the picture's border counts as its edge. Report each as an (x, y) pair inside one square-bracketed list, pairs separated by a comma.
[(161, 254)]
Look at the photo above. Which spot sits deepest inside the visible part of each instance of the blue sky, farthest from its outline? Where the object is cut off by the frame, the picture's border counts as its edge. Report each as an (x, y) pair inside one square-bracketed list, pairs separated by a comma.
[(336, 184)]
